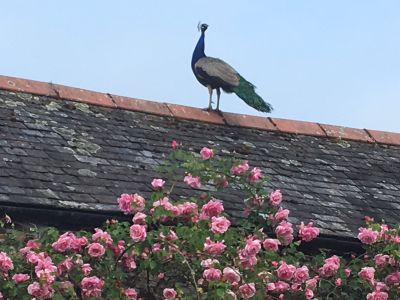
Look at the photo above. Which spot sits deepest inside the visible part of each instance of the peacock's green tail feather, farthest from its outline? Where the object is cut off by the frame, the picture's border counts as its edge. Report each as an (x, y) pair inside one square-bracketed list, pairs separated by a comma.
[(246, 91)]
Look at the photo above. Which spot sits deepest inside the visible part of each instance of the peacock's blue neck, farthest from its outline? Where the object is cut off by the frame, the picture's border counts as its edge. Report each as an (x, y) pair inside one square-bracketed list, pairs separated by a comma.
[(198, 51)]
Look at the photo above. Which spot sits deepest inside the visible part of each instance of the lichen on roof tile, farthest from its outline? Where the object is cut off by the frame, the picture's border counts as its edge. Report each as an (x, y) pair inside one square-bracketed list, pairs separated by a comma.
[(65, 155)]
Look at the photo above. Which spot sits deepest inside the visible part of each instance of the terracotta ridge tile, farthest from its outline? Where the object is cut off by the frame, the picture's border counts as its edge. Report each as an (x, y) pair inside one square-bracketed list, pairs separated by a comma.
[(241, 120), (384, 137), (347, 133), (27, 86), (141, 105), (196, 114), (298, 127), (82, 95)]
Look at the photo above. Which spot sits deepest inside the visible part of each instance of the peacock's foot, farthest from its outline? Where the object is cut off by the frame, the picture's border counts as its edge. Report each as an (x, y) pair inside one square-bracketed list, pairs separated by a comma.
[(208, 108), (218, 111)]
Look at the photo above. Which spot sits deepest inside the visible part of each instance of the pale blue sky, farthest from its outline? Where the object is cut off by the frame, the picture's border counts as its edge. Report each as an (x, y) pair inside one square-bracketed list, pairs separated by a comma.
[(335, 62)]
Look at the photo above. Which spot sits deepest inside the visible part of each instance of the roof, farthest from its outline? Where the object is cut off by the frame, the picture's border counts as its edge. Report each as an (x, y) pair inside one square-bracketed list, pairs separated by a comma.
[(71, 152)]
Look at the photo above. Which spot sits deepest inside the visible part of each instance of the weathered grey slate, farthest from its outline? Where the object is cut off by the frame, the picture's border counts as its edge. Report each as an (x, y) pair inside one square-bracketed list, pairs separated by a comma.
[(63, 155)]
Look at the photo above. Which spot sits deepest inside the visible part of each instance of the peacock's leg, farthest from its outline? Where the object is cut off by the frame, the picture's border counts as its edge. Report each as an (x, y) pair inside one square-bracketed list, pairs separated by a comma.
[(218, 95), (210, 91)]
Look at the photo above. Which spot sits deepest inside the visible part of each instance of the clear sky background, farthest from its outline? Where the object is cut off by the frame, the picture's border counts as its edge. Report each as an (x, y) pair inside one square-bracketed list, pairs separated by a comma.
[(334, 62)]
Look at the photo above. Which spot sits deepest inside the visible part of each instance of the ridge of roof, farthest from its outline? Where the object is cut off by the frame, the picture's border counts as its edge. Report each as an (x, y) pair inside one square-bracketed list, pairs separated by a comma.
[(196, 114)]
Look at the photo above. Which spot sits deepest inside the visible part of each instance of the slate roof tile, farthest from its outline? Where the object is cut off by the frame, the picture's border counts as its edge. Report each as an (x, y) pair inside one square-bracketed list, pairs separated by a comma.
[(71, 155)]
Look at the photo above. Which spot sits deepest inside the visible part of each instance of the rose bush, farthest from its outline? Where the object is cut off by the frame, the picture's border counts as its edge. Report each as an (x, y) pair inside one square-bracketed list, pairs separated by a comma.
[(189, 248)]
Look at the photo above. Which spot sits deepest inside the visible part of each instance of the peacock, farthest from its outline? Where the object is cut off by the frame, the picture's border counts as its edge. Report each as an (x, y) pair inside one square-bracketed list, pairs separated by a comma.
[(215, 74)]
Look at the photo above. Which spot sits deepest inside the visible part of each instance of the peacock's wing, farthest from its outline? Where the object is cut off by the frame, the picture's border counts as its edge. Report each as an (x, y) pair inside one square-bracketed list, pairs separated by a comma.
[(217, 73)]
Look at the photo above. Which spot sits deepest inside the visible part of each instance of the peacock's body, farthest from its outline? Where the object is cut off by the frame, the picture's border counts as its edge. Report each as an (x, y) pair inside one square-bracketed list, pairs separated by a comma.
[(215, 74)]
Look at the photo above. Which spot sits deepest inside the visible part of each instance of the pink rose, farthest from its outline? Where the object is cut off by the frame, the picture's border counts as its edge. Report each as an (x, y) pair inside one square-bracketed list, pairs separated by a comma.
[(212, 274), (64, 242), (312, 283), (65, 266), (330, 267), (240, 169), (271, 286), (367, 273), (275, 198), (393, 279), (102, 236), (309, 294), (125, 203), (231, 275), (209, 263), (92, 286), (18, 278), (33, 244), (308, 232), (172, 236), (281, 286), (367, 236), (333, 259), (129, 263), (253, 246), (338, 281), (381, 286), (86, 269), (296, 287), (206, 153), (301, 274), (214, 248), (381, 259), (44, 291), (96, 250), (347, 272), (156, 247), (131, 293), (169, 294), (6, 263), (255, 175), (284, 232), (192, 181), (139, 218), (377, 295), (138, 233), (285, 271), (271, 244), (212, 208), (248, 290), (175, 145), (131, 203), (219, 224), (246, 260), (188, 208), (157, 184), (280, 215), (255, 201)]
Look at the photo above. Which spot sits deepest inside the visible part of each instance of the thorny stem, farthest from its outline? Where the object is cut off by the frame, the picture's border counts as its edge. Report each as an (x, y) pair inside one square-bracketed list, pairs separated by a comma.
[(333, 290), (122, 254), (148, 281), (77, 289), (171, 189), (192, 273)]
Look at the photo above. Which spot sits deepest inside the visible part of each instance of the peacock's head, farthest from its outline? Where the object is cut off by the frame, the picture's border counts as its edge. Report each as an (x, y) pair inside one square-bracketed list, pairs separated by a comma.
[(202, 27)]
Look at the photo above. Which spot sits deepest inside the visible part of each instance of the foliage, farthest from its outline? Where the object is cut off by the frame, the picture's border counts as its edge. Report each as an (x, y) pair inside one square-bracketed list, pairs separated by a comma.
[(188, 248)]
